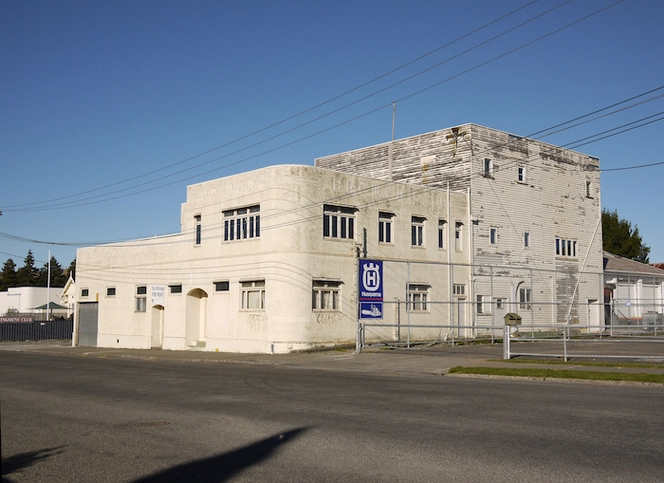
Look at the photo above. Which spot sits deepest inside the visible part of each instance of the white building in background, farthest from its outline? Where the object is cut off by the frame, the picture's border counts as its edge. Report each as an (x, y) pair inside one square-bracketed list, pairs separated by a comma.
[(26, 300), (633, 292), (470, 223)]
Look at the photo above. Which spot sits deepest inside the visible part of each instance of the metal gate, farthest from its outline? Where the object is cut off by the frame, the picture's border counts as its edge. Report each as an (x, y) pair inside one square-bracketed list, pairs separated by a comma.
[(88, 316)]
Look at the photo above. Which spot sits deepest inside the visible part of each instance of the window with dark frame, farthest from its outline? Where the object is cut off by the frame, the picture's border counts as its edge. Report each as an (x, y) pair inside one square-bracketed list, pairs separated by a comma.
[(417, 231), (521, 174), (442, 233), (197, 230), (385, 227), (222, 286), (488, 167), (339, 222), (242, 223), (176, 288)]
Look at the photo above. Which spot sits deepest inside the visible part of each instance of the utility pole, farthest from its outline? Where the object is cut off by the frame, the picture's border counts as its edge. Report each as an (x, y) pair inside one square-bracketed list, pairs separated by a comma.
[(48, 286)]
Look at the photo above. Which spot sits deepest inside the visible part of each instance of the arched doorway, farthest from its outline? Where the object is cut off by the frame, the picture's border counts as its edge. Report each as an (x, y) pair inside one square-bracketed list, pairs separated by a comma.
[(157, 337), (196, 318)]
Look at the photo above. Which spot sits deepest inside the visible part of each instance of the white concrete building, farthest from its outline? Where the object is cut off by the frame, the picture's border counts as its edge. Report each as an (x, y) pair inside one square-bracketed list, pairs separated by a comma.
[(469, 222), (267, 261), (536, 234)]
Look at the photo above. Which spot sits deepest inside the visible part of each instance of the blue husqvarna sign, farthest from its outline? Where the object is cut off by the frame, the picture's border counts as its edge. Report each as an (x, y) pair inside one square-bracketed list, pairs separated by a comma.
[(371, 289)]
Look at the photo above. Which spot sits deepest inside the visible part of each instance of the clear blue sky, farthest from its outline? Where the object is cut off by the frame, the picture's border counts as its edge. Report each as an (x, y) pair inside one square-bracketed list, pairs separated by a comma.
[(103, 104)]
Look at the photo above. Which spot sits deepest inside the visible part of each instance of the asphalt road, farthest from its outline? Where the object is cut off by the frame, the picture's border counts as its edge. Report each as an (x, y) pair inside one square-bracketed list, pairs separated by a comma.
[(72, 418)]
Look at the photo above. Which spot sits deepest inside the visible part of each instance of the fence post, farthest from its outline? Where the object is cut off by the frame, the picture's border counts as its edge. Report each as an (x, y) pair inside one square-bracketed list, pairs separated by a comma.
[(359, 338), (506, 342)]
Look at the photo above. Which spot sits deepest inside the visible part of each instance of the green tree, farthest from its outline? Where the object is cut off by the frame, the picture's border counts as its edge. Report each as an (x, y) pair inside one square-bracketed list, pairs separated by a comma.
[(58, 275), (27, 275), (621, 239), (8, 276)]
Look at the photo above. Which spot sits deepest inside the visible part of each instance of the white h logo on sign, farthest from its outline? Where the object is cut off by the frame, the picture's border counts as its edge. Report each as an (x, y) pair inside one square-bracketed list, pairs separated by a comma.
[(371, 277)]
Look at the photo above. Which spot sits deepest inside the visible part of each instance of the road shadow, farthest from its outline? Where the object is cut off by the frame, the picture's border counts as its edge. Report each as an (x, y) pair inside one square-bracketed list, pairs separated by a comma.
[(221, 467), (20, 461)]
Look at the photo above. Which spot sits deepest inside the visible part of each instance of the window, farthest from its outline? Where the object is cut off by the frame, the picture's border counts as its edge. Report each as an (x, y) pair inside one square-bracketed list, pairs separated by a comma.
[(253, 295), (418, 297), (526, 240), (565, 248), (197, 229), (221, 286), (488, 167), (141, 298), (175, 288), (480, 304), (521, 174), (525, 299), (417, 231), (242, 223), (441, 233), (589, 187), (326, 295), (458, 238), (499, 301), (458, 289), (385, 227), (85, 292), (493, 236), (110, 291), (338, 222)]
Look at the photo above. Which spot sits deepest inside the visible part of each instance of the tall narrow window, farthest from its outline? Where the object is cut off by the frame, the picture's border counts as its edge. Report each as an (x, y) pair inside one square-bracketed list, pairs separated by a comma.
[(141, 298), (242, 223), (417, 231), (385, 227), (525, 300), (480, 304), (589, 189), (493, 236), (338, 222), (488, 167), (521, 174), (442, 233), (458, 236), (526, 240), (197, 229)]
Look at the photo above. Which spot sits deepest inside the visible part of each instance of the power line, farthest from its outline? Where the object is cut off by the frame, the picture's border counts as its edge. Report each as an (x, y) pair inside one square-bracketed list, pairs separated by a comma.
[(289, 118), (106, 198)]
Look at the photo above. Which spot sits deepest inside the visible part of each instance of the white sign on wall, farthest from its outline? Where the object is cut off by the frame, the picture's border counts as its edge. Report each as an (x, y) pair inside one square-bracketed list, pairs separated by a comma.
[(158, 294)]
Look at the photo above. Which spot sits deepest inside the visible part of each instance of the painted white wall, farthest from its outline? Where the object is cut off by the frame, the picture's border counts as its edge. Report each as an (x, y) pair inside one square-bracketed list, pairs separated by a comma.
[(290, 253)]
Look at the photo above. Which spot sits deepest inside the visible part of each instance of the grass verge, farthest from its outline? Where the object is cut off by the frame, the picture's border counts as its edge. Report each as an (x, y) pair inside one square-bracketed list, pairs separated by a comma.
[(637, 365), (559, 374)]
